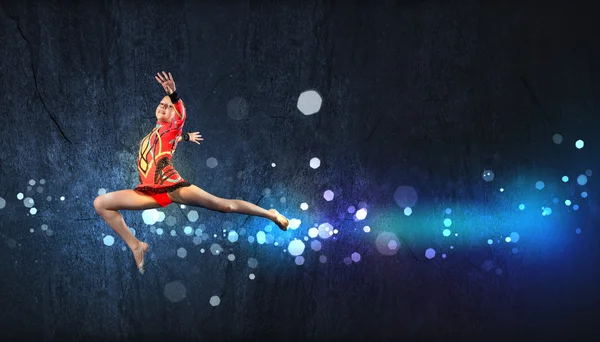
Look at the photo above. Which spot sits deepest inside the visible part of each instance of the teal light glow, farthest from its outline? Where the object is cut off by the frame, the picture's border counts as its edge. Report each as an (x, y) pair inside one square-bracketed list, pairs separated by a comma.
[(446, 232), (546, 211), (565, 179), (521, 206), (447, 222), (261, 238)]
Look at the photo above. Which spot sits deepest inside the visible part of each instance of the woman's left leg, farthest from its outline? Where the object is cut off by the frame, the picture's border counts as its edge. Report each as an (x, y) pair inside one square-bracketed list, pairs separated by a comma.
[(194, 196)]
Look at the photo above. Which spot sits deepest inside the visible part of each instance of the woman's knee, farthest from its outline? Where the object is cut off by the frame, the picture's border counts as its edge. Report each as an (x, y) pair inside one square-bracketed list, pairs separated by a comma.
[(226, 206), (99, 204)]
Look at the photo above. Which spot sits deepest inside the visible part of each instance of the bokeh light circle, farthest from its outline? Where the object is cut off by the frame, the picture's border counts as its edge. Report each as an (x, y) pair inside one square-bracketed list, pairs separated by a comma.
[(214, 300), (557, 138), (109, 240), (175, 291), (309, 102), (387, 243), (315, 163), (212, 162), (430, 253), (361, 214), (488, 175), (296, 247), (405, 196)]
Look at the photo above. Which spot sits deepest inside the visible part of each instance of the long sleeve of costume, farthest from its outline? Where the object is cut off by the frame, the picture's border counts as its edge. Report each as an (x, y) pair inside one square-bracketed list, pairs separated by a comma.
[(157, 174), (180, 114)]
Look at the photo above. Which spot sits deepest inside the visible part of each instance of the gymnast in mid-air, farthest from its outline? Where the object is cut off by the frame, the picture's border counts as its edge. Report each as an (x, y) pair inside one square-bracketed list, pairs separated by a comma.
[(160, 184)]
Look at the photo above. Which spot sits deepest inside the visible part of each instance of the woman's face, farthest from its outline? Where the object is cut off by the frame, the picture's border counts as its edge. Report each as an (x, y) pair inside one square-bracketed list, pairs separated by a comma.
[(165, 110)]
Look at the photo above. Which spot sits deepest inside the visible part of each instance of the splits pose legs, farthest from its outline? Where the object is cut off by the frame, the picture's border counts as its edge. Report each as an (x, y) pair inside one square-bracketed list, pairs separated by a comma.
[(160, 184)]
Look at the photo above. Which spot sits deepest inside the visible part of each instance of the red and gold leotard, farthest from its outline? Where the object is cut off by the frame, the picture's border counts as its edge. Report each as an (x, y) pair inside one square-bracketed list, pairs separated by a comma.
[(154, 162)]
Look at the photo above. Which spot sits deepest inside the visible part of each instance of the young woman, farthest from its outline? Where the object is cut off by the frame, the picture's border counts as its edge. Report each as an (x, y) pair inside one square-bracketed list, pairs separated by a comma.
[(160, 184)]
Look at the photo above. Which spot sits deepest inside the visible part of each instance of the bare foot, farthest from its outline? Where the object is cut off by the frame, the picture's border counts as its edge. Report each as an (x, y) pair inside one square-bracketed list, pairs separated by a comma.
[(281, 221), (138, 255)]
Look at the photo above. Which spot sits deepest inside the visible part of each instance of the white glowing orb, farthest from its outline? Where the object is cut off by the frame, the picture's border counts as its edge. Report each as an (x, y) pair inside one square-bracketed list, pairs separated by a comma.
[(294, 223), (367, 229), (192, 216), (303, 206), (232, 236), (188, 230), (101, 191), (33, 211), (355, 257), (150, 216), (215, 300), (28, 202), (313, 232), (109, 240), (261, 237), (20, 196), (315, 163), (361, 214), (161, 216), (296, 247), (325, 230), (328, 195), (309, 102)]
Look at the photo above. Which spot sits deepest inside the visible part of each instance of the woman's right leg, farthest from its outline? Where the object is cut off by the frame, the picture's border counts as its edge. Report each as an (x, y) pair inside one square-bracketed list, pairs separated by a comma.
[(107, 207)]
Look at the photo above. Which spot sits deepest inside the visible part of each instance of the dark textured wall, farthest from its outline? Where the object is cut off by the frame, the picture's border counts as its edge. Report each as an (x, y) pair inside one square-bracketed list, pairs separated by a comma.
[(423, 93)]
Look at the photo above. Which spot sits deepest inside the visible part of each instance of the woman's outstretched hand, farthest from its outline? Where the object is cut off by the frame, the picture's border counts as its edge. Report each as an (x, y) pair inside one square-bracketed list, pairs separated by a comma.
[(166, 81), (195, 137)]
